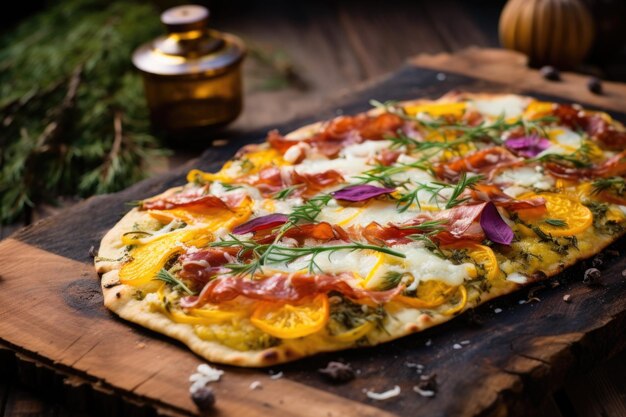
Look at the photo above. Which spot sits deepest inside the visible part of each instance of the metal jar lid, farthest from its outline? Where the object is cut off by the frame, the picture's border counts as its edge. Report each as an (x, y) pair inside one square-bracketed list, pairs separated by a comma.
[(189, 48)]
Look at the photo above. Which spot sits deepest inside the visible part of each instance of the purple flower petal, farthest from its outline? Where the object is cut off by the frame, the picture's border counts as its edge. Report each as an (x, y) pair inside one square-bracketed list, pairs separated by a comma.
[(494, 227), (261, 223), (361, 192), (527, 146)]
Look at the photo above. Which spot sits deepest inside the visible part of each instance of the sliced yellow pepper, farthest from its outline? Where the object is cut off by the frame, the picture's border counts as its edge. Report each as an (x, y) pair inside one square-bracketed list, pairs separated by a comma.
[(437, 109), (254, 162), (459, 307), (290, 321), (150, 258), (353, 334)]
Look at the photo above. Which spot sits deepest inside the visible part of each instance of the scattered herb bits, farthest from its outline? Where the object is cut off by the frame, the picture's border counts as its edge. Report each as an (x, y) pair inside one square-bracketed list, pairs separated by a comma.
[(550, 73)]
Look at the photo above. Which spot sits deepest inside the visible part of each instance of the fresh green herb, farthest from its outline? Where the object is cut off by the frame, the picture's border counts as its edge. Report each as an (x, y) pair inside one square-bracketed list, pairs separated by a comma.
[(560, 246), (286, 192), (246, 165), (165, 276), (383, 174), (616, 185), (230, 187), (426, 231), (556, 222), (435, 188), (264, 254), (464, 183), (391, 280), (430, 226), (308, 211), (414, 146), (459, 256), (600, 222), (580, 158), (347, 315)]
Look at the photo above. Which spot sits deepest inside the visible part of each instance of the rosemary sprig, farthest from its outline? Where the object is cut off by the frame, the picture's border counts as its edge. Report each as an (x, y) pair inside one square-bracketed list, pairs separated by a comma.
[(286, 192), (383, 174), (414, 145), (435, 188), (230, 187), (615, 184), (391, 280), (308, 211), (264, 254), (426, 231), (457, 190), (167, 277), (580, 158)]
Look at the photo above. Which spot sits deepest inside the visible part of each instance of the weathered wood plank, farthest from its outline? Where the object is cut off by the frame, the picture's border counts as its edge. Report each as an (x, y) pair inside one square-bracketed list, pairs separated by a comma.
[(508, 67), (601, 391)]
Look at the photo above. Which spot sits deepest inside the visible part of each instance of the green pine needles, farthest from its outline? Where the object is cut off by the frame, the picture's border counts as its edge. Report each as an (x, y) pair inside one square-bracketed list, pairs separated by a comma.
[(72, 108)]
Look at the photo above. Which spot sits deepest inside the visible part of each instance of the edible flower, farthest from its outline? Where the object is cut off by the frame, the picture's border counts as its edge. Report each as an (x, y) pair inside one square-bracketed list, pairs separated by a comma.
[(527, 146), (361, 192), (261, 223), (494, 226)]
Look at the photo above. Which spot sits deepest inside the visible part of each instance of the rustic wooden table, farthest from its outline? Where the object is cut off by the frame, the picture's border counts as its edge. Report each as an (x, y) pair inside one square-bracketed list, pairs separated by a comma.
[(334, 47)]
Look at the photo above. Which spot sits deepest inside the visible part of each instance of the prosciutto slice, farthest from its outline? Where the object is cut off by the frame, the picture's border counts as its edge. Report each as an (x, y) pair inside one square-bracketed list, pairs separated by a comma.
[(343, 131), (284, 287), (487, 161), (271, 180)]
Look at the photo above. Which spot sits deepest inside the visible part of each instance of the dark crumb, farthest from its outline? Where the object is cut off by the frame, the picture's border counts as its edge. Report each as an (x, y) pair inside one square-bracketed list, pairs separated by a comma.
[(554, 284), (567, 298), (550, 73), (118, 294), (594, 85), (597, 261), (532, 293), (428, 383), (93, 252), (612, 252), (203, 398), (472, 319), (112, 284), (592, 277), (338, 372), (538, 276)]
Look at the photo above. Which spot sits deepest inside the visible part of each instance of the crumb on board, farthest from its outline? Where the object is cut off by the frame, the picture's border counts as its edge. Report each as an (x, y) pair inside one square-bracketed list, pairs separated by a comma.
[(381, 396)]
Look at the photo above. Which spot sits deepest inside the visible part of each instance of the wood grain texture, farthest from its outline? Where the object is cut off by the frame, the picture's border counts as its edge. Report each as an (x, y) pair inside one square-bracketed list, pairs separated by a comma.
[(63, 318), (51, 312)]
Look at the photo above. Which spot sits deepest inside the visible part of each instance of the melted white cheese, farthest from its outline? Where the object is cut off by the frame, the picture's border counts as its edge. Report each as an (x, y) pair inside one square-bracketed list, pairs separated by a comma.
[(509, 106), (521, 179), (366, 149)]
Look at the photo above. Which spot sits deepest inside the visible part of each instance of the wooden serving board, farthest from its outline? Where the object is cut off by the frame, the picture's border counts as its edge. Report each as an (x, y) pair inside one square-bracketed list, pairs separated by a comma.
[(55, 329)]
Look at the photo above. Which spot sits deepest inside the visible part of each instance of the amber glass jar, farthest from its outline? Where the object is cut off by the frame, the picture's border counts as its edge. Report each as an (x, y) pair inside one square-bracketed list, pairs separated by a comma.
[(192, 75)]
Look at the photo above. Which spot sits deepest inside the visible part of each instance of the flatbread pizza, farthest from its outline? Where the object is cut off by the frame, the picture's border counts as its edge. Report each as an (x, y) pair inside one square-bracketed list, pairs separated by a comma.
[(363, 229)]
